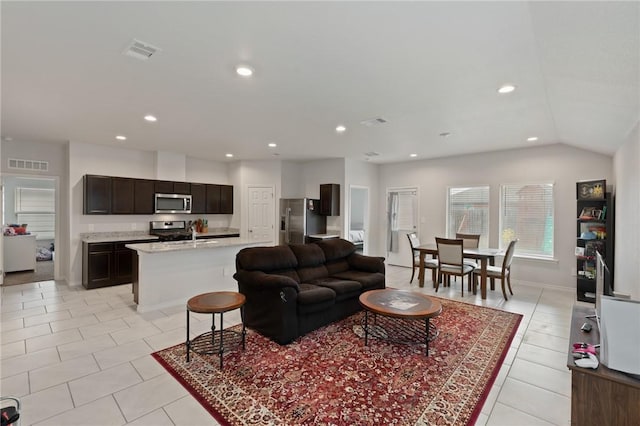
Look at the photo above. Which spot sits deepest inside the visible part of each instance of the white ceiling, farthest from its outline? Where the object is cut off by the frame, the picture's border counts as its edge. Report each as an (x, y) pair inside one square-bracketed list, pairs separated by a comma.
[(426, 67)]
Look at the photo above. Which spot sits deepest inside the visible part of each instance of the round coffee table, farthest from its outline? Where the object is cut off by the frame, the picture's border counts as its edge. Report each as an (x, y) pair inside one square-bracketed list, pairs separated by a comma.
[(213, 342), (394, 307)]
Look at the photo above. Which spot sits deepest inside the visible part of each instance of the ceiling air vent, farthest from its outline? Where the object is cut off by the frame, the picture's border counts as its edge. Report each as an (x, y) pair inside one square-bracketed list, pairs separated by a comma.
[(140, 50), (374, 122), (371, 154), (34, 165)]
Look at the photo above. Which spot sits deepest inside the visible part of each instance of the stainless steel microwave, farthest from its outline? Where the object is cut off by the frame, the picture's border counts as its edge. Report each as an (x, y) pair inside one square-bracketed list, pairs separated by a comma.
[(173, 203)]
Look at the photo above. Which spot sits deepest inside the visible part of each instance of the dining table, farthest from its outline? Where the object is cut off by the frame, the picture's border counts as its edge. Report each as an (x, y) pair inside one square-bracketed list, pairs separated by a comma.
[(484, 255)]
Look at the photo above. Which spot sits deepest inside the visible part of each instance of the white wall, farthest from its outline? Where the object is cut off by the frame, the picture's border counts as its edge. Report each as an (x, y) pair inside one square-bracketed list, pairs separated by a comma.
[(318, 172), (292, 185), (627, 176), (560, 164)]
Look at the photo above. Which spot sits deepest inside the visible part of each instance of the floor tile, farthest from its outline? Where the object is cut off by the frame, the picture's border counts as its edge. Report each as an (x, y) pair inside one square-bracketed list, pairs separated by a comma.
[(16, 386), (25, 333), (102, 328), (540, 355), (12, 349), (48, 301), (109, 357), (187, 411), (38, 310), (115, 313), (145, 397), (156, 418), (547, 405), (29, 361), (103, 383), (546, 341), (148, 367), (38, 343), (551, 329), (46, 318), (13, 324), (104, 411), (84, 310), (503, 415), (83, 347), (135, 333), (172, 322), (45, 404), (56, 307), (165, 340), (62, 372), (10, 307), (57, 326), (541, 376)]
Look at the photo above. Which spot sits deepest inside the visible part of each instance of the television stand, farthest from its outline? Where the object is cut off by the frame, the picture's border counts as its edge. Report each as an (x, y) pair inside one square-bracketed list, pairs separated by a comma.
[(601, 396)]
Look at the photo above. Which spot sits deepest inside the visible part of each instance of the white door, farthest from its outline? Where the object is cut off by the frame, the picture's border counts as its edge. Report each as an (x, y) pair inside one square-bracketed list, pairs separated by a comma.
[(402, 214), (261, 213)]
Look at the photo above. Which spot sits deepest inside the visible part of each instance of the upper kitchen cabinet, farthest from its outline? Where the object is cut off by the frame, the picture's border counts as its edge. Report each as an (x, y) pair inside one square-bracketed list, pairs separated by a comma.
[(219, 199), (97, 194), (122, 198), (330, 199), (169, 187), (226, 199), (198, 198), (144, 191)]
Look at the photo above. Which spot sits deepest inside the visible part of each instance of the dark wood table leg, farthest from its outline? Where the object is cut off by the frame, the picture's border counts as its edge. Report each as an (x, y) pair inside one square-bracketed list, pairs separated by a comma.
[(221, 331), (426, 340), (366, 327), (483, 279), (188, 343), (421, 269)]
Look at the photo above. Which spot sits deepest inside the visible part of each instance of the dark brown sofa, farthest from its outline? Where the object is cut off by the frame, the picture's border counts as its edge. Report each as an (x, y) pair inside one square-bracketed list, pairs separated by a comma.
[(292, 290)]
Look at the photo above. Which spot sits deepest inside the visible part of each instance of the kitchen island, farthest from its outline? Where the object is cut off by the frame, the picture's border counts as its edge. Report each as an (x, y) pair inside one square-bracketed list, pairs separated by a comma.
[(169, 273)]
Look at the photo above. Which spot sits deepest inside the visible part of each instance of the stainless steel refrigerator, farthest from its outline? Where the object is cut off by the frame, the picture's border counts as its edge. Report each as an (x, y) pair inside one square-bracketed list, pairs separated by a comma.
[(300, 217)]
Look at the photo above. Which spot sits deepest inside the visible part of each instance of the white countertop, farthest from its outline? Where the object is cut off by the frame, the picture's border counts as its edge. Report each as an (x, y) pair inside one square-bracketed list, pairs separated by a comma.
[(163, 247), (107, 237), (324, 236)]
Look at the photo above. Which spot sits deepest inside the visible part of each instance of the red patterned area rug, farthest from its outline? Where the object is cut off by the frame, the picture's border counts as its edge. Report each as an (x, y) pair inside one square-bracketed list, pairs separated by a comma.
[(329, 377)]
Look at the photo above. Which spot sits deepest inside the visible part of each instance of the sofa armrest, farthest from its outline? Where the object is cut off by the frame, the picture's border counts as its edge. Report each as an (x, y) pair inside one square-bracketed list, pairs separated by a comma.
[(366, 263), (258, 280)]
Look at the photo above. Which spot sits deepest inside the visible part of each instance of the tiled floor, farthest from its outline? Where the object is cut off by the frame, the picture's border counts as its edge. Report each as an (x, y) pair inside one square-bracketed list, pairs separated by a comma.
[(78, 357)]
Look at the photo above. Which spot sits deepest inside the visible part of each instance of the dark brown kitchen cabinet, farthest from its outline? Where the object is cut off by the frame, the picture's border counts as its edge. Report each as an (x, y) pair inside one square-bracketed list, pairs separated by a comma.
[(198, 198), (97, 194), (226, 199), (330, 199), (122, 198), (107, 264), (213, 199), (144, 193), (97, 264), (169, 187)]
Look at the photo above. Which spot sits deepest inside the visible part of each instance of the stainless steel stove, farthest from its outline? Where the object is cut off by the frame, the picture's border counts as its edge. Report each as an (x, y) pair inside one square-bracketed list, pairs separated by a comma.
[(170, 230)]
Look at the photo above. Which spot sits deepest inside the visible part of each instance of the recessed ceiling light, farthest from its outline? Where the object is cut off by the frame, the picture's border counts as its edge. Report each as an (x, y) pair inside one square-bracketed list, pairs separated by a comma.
[(272, 145), (506, 88), (413, 155), (150, 118), (121, 138), (532, 139), (341, 129), (228, 155), (244, 71), (445, 134)]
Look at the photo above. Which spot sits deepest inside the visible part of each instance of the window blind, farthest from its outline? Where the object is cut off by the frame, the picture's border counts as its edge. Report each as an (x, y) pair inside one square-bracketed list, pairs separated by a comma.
[(468, 212), (35, 200), (526, 213)]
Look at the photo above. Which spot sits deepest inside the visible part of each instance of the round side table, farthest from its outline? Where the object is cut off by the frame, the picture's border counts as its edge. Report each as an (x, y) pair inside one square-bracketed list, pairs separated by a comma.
[(213, 342)]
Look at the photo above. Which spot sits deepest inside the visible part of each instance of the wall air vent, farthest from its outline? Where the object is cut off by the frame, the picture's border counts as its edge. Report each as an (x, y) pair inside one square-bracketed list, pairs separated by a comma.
[(374, 122), (140, 50), (34, 165)]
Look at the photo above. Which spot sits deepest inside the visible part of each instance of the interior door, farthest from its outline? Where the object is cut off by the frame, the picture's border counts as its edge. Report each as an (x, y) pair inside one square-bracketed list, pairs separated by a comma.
[(261, 213), (402, 214)]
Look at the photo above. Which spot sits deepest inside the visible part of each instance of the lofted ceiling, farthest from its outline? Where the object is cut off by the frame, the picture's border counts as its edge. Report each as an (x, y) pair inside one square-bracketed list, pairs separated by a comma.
[(425, 67)]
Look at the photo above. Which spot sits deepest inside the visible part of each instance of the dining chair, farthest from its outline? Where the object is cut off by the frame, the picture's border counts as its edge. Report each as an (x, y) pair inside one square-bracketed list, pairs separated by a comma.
[(504, 273), (432, 264), (469, 241), (451, 262)]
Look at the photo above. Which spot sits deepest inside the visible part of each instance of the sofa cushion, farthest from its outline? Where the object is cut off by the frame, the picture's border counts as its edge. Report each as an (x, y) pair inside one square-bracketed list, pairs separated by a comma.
[(310, 262), (313, 298), (336, 248), (266, 259), (368, 280), (344, 289)]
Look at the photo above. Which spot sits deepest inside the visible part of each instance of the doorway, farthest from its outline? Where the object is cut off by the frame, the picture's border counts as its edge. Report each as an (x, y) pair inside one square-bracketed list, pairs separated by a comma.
[(402, 218), (261, 213), (29, 205), (359, 217)]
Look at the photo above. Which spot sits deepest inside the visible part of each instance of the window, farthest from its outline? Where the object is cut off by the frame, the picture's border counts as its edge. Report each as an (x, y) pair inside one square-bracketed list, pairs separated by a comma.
[(468, 212), (526, 213)]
